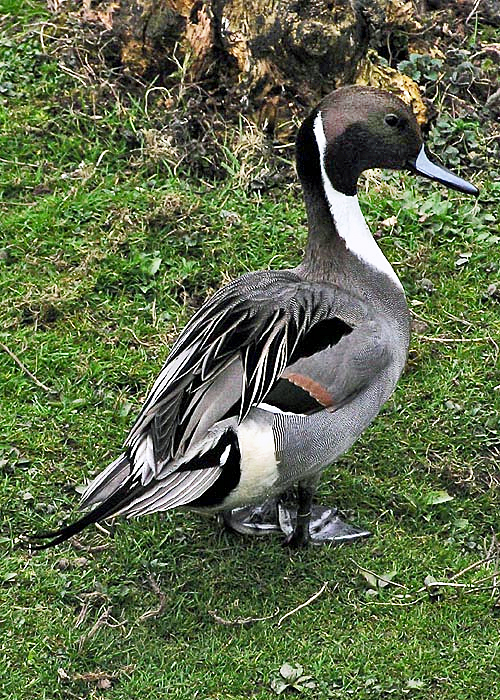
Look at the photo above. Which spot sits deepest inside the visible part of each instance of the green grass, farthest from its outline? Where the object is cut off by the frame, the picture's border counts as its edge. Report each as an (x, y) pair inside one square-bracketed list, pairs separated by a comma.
[(104, 254)]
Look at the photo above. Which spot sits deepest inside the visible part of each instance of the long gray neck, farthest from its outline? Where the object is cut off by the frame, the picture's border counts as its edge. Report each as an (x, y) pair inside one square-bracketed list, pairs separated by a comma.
[(340, 246)]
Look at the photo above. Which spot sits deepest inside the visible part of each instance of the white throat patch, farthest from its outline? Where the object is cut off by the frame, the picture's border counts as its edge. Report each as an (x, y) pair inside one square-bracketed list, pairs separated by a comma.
[(347, 216)]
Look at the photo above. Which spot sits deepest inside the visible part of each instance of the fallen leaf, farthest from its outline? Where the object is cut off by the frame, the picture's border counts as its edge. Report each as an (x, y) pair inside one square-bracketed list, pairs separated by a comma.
[(62, 674), (378, 581), (435, 497), (463, 259), (291, 673), (154, 266), (278, 685), (9, 577), (386, 579), (370, 578), (390, 222)]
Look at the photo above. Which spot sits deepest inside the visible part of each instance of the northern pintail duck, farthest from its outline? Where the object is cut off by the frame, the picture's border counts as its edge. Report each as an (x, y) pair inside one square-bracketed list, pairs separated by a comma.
[(280, 372)]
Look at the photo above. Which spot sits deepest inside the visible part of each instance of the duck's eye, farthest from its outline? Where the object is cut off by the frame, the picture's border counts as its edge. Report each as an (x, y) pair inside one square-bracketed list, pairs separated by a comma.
[(391, 119)]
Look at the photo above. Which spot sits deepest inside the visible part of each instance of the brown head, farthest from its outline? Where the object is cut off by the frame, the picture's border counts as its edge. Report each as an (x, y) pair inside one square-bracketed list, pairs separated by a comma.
[(356, 128)]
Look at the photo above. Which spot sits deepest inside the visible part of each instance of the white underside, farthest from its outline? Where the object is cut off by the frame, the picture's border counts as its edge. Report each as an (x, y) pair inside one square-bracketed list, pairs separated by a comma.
[(259, 467), (348, 217)]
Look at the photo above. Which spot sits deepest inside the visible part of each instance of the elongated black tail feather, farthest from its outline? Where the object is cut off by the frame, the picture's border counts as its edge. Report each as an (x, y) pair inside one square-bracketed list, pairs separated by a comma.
[(118, 500)]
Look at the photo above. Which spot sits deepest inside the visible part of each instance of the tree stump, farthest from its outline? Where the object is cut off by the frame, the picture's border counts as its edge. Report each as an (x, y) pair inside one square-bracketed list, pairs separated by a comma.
[(263, 53)]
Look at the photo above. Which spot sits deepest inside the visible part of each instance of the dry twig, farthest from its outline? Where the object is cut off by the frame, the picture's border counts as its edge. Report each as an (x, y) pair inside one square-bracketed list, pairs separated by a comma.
[(104, 618), (86, 600), (473, 566), (473, 11), (26, 370), (431, 587), (154, 612), (240, 621), (303, 605), (436, 339), (247, 621), (76, 544)]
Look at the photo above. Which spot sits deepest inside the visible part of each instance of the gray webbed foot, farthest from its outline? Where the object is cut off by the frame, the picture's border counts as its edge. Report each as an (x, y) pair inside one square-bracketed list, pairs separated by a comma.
[(259, 519), (325, 525), (270, 517)]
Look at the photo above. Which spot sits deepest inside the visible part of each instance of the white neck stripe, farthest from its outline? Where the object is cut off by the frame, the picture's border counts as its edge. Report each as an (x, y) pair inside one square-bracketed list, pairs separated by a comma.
[(348, 217)]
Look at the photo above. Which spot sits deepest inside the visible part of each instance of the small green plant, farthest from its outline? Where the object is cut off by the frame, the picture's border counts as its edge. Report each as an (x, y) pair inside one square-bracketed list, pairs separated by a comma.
[(422, 68)]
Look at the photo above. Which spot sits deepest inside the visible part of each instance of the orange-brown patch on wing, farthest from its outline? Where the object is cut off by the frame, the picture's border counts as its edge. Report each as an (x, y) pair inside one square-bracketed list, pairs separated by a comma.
[(313, 388)]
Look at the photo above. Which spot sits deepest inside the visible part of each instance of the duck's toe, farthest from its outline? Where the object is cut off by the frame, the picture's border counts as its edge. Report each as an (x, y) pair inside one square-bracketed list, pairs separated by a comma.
[(325, 526)]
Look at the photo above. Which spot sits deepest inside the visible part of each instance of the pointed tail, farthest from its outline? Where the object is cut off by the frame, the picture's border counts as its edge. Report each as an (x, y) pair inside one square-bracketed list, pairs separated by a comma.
[(112, 494)]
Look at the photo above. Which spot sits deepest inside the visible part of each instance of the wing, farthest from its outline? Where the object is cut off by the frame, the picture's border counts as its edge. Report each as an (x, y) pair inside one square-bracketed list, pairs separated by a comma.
[(229, 357), (266, 331)]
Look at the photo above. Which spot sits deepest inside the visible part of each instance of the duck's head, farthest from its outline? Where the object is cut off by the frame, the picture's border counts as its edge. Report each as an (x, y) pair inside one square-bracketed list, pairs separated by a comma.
[(356, 128)]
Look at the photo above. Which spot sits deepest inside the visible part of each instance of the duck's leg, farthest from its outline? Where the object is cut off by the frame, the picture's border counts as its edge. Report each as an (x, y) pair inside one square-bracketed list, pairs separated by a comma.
[(300, 536), (314, 523)]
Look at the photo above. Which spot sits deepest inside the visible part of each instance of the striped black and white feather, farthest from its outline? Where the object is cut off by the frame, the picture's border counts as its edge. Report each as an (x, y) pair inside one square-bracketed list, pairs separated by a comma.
[(229, 355)]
